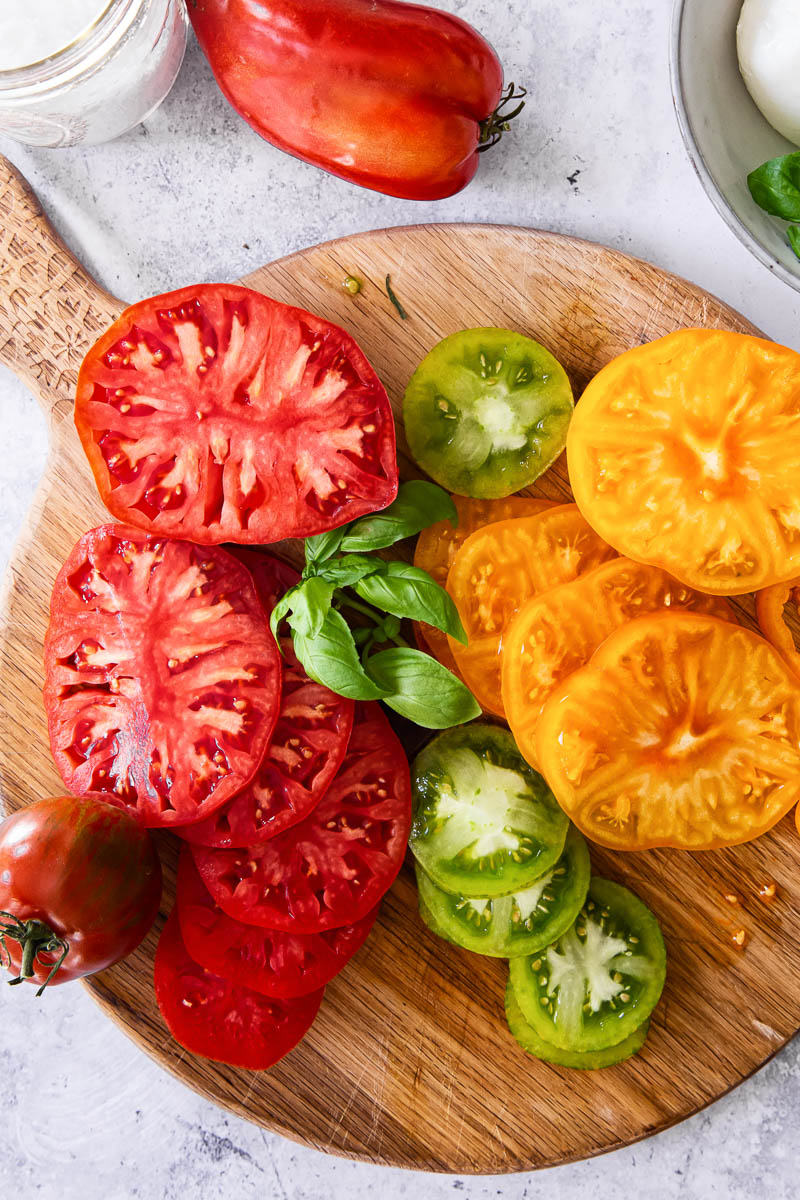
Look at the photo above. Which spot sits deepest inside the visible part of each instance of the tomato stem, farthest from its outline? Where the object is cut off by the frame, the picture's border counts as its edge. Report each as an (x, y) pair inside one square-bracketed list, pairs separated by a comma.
[(499, 122), (35, 938)]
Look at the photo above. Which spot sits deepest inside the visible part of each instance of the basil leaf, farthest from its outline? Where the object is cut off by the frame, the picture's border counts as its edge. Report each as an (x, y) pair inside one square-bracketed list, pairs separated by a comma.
[(279, 612), (323, 546), (304, 607), (421, 689), (407, 591), (793, 233), (775, 186), (331, 658), (347, 569), (418, 505)]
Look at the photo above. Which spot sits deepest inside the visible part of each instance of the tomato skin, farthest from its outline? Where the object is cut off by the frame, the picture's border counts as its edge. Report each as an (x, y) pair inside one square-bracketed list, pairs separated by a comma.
[(86, 869), (283, 965), (387, 95), (216, 414), (770, 605), (220, 1020)]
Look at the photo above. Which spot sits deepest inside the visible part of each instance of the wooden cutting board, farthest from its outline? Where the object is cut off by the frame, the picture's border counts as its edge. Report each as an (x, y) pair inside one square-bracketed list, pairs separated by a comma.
[(410, 1062)]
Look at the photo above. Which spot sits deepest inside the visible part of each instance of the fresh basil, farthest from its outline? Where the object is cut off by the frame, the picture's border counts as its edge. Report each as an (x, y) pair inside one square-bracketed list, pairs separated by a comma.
[(323, 546), (304, 607), (418, 505), (407, 591), (347, 569), (421, 689), (775, 186), (793, 234), (331, 658)]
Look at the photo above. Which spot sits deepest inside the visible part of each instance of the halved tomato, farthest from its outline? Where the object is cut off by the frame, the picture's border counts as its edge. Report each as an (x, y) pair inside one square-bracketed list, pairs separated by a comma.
[(498, 569), (684, 453), (556, 633), (334, 866), (162, 679), (278, 964), (217, 414), (683, 730), (437, 546), (771, 607), (305, 751), (220, 1020)]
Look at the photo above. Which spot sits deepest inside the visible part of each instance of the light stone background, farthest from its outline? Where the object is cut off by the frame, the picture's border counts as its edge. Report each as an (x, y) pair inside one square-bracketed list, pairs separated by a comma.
[(195, 195)]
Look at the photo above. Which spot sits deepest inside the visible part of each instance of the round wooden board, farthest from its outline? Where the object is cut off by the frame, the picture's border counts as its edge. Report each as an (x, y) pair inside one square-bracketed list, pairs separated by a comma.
[(410, 1062)]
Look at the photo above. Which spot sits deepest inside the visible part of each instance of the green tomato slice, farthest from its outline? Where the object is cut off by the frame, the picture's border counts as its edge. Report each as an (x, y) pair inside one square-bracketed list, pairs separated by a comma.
[(510, 926), (584, 1060), (601, 979), (486, 412), (485, 824)]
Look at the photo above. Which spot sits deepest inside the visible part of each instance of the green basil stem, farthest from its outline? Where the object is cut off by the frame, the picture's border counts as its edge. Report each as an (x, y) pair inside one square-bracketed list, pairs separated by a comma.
[(366, 610)]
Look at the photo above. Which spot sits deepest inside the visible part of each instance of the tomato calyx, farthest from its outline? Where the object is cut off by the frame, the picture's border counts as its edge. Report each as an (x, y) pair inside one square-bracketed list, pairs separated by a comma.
[(499, 122), (35, 938)]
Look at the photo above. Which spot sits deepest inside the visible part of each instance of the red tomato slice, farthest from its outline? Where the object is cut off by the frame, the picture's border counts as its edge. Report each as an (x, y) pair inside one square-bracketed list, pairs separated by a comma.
[(221, 1020), (217, 414), (332, 868), (162, 679), (307, 745), (277, 964)]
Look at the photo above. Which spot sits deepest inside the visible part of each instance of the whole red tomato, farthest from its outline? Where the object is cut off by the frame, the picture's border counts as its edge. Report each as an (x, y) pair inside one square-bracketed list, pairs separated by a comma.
[(393, 96), (80, 885)]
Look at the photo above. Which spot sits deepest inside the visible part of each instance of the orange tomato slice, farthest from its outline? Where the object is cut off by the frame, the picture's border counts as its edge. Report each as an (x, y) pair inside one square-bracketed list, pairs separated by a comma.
[(437, 545), (682, 730), (498, 569), (557, 633), (772, 617), (685, 453)]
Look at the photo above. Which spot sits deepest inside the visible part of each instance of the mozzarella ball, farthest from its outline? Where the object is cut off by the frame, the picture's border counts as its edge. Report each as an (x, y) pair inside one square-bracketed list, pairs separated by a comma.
[(768, 42)]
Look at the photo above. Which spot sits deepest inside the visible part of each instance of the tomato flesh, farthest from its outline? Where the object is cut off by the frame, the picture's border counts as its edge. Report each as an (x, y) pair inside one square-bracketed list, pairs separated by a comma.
[(224, 1021), (585, 1060), (332, 868), (485, 824), (305, 751), (682, 730), (162, 679), (684, 453), (438, 544), (771, 606), (596, 985), (486, 412), (89, 871), (520, 923), (498, 569), (557, 632), (216, 414), (275, 963)]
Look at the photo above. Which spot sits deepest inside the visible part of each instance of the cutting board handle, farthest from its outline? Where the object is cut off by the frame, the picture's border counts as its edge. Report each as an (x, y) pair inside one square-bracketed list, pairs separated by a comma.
[(51, 310)]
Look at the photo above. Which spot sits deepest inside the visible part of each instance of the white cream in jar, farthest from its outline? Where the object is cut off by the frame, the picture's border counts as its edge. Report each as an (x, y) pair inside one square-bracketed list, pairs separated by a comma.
[(84, 71)]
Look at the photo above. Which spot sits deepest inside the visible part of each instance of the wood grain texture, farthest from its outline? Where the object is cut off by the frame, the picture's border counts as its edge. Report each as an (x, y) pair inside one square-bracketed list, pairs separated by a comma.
[(410, 1062)]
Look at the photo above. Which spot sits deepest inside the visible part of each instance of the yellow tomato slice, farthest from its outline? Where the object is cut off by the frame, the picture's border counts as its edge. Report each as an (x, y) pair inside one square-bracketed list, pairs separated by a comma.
[(556, 633), (771, 607), (682, 730), (437, 545), (502, 566), (685, 453)]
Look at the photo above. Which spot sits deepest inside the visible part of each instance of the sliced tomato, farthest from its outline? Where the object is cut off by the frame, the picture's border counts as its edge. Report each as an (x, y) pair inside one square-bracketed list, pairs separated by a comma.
[(220, 1020), (333, 867), (162, 679), (778, 608), (305, 751), (217, 414), (276, 963), (557, 632), (437, 546), (498, 569), (684, 453), (682, 730)]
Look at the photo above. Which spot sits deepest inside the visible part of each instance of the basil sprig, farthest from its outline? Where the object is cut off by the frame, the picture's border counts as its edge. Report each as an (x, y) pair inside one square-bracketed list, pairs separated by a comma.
[(775, 187), (345, 659)]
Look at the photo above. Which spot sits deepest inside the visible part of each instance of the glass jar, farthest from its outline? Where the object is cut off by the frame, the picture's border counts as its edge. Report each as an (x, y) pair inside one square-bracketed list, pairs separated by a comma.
[(104, 82)]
